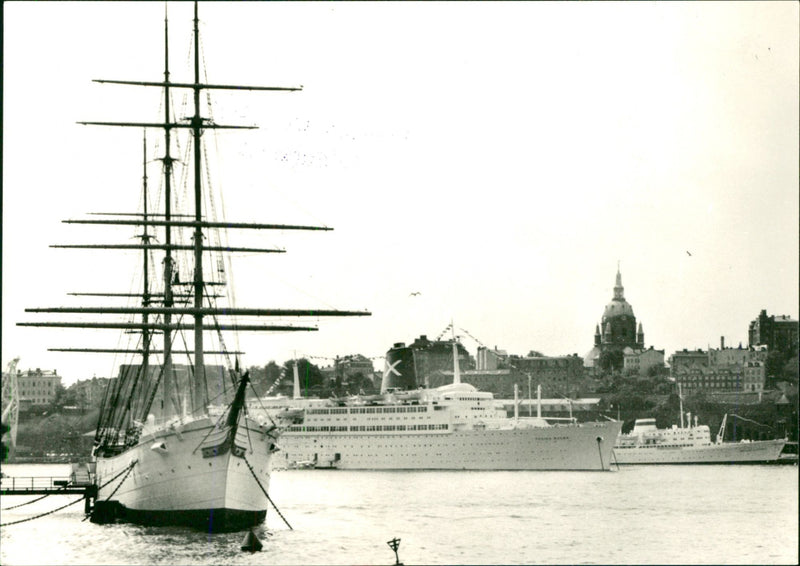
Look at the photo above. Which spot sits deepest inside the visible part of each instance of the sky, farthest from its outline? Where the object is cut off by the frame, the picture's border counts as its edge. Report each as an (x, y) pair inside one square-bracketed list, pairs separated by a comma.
[(497, 160)]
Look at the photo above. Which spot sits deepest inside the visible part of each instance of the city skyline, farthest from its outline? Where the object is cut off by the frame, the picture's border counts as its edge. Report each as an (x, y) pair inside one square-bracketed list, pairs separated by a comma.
[(485, 163)]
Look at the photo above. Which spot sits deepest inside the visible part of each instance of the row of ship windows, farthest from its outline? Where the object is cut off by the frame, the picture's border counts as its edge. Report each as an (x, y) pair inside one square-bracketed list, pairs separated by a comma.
[(420, 417), (368, 410), (664, 445), (364, 428)]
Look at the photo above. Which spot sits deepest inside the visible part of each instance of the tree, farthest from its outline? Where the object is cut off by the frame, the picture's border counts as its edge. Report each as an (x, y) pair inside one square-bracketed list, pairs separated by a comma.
[(4, 428), (311, 377), (790, 370), (774, 365), (611, 360)]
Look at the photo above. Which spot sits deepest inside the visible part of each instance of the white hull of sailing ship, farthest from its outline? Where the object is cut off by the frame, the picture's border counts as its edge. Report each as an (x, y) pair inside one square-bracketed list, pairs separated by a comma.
[(646, 444), (186, 474)]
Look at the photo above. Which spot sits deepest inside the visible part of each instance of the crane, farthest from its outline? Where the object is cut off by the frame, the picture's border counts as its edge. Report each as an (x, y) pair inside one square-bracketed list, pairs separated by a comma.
[(10, 415), (721, 433)]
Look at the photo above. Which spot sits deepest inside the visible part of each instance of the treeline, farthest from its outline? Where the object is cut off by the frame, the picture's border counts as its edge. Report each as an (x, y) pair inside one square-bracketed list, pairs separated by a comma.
[(273, 379)]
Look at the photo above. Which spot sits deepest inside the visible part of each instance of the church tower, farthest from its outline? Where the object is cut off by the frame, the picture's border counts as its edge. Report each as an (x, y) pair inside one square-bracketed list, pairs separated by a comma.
[(618, 335), (619, 330)]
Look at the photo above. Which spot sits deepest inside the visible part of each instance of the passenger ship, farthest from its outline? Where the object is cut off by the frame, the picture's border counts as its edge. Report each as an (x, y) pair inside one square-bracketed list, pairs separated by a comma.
[(646, 444), (453, 427)]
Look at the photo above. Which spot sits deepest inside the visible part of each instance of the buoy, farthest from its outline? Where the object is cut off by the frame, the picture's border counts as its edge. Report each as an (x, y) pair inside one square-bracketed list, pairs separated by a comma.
[(394, 544), (251, 542)]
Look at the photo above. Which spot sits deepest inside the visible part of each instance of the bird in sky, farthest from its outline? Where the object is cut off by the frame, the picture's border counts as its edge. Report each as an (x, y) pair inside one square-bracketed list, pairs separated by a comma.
[(414, 293), (687, 253)]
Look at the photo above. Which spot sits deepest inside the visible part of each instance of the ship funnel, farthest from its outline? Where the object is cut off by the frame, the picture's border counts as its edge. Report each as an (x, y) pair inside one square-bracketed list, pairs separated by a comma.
[(296, 393), (539, 401), (399, 372), (456, 365)]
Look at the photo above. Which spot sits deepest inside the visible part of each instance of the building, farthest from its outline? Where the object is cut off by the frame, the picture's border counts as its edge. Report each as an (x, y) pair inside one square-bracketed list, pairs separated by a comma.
[(735, 356), (617, 334), (640, 362), (557, 375), (777, 333), (685, 361), (37, 387), (218, 384), (89, 392), (720, 370), (487, 359), (350, 369), (412, 366), (755, 376)]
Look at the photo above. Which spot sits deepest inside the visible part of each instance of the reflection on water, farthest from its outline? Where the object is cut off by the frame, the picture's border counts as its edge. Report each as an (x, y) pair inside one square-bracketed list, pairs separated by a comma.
[(667, 514)]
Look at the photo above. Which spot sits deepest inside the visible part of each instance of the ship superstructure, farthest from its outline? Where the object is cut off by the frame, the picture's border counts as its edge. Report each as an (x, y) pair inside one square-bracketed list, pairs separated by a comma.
[(453, 427), (692, 444)]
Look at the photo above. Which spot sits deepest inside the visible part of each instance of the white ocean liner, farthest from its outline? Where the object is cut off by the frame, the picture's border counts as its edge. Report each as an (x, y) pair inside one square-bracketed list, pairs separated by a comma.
[(646, 444), (453, 427), (172, 447)]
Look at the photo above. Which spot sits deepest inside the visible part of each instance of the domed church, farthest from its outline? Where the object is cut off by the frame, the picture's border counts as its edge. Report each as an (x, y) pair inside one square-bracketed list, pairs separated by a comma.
[(617, 331)]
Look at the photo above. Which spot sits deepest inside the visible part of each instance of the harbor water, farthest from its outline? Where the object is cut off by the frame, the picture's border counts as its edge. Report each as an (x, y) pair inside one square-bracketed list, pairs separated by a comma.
[(637, 515)]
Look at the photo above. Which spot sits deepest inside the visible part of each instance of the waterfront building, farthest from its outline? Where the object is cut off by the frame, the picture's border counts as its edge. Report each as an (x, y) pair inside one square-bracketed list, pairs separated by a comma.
[(776, 332), (37, 387)]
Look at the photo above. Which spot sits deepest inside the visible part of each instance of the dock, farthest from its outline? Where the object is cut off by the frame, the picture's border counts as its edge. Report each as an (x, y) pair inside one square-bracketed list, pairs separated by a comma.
[(80, 483)]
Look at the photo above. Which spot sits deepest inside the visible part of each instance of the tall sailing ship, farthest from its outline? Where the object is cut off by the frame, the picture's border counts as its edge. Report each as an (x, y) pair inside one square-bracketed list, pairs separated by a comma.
[(175, 443)]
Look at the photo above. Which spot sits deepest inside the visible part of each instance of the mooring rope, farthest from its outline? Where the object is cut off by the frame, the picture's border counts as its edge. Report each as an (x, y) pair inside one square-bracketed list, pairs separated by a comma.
[(43, 514), (32, 500), (68, 504), (600, 452), (252, 471), (130, 469), (126, 472)]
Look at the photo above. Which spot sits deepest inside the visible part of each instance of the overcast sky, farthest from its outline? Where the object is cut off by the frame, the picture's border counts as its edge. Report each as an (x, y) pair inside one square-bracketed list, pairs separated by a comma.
[(497, 158)]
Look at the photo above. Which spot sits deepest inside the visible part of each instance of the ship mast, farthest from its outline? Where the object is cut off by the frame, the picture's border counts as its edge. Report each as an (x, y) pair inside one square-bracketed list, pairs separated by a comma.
[(200, 397), (166, 368), (167, 318), (144, 373)]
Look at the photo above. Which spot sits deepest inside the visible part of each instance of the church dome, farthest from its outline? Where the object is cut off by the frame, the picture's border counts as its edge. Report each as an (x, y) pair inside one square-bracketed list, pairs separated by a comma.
[(617, 308)]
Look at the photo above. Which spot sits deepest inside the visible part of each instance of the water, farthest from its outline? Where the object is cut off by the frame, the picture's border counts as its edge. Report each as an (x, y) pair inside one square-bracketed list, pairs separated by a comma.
[(644, 515)]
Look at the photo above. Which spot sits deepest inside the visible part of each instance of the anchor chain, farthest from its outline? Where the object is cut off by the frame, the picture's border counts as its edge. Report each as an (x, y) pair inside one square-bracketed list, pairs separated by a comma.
[(252, 471)]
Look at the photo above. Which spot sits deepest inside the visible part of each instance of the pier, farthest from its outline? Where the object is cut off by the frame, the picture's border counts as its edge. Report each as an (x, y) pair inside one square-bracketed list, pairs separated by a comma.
[(74, 484)]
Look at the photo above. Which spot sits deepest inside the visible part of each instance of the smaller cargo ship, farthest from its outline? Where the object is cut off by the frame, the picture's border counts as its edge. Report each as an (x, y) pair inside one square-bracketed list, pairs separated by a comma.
[(647, 444)]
